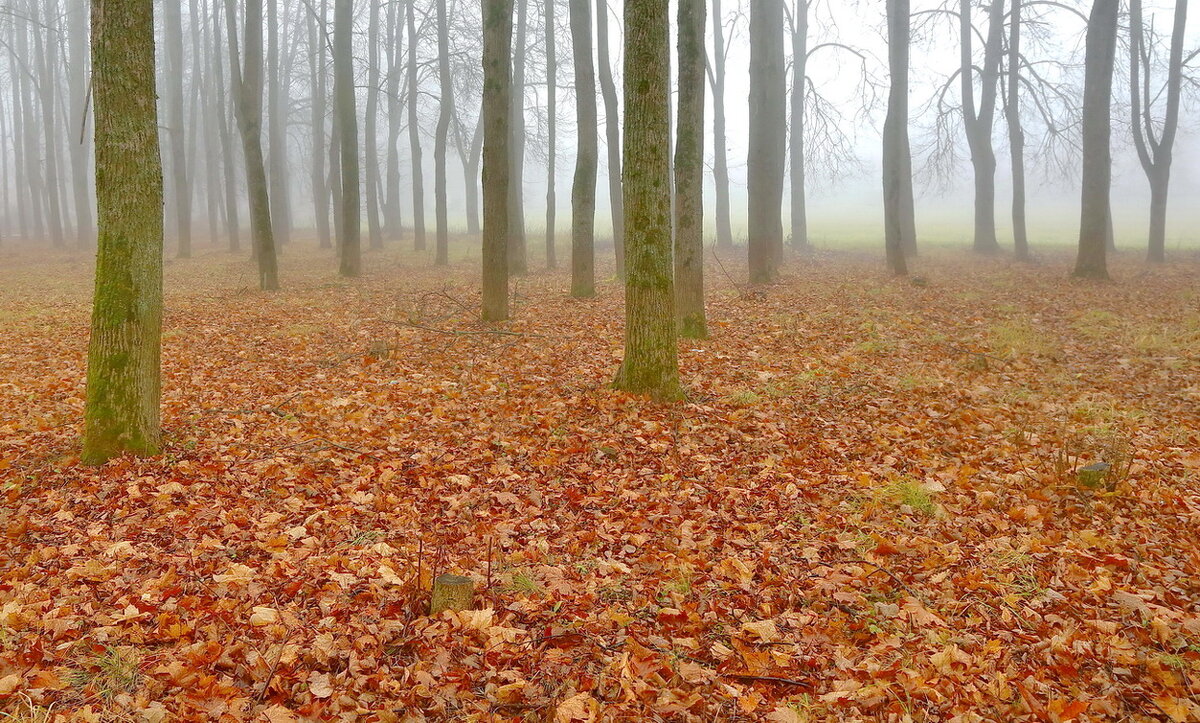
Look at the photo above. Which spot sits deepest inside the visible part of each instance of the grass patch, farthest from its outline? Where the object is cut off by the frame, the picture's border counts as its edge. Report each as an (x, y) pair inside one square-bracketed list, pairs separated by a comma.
[(109, 673), (1019, 338), (1097, 324), (906, 492)]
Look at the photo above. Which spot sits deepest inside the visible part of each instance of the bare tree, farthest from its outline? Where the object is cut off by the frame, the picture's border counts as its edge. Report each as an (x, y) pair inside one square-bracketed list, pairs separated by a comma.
[(518, 262), (612, 126), (371, 130), (552, 130), (446, 103), (689, 173), (1097, 140), (347, 115), (716, 79), (583, 191), (978, 120), (277, 106), (248, 88), (899, 219), (79, 122), (765, 165), (317, 58), (414, 132), (497, 77), (1155, 142), (392, 219)]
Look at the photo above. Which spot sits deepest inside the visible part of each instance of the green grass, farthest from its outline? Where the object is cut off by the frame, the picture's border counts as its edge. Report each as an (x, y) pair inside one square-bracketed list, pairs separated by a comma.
[(1019, 337), (110, 673), (905, 492)]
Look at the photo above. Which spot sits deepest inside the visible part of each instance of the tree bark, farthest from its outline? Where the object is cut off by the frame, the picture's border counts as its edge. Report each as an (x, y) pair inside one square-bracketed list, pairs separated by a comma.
[(583, 190), (1101, 46), (765, 165), (612, 125), (371, 130), (446, 103), (317, 81), (232, 222), (1016, 133), (392, 221), (720, 140), (898, 210), (799, 80), (689, 172), (979, 121), (248, 89), (414, 133), (43, 50), (124, 378), (651, 365), (79, 124), (277, 104), (343, 59), (497, 52), (518, 262)]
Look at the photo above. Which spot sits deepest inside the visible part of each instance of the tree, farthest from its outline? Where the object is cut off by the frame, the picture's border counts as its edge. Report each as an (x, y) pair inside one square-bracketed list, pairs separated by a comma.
[(225, 131), (1155, 147), (79, 122), (343, 90), (551, 130), (716, 79), (277, 108), (317, 80), (1101, 44), (248, 87), (441, 140), (391, 207), (1016, 133), (651, 364), (414, 132), (689, 172), (497, 77), (583, 191), (124, 376), (612, 126), (371, 129), (899, 219), (765, 166), (978, 120), (518, 262)]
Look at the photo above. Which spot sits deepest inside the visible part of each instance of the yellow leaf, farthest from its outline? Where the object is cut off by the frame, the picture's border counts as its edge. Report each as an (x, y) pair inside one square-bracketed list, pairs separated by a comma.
[(581, 707), (264, 616)]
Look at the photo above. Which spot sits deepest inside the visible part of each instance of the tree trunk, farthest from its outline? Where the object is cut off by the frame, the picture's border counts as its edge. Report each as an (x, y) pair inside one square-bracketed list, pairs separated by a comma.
[(124, 378), (45, 86), (181, 190), (552, 132), (248, 89), (79, 124), (316, 72), (471, 159), (370, 128), (446, 103), (897, 160), (765, 165), (799, 80), (612, 125), (232, 223), (343, 81), (277, 104), (720, 141), (31, 152), (583, 190), (497, 77), (392, 220), (1097, 137), (689, 173), (979, 121), (414, 133), (518, 262), (1016, 134), (651, 364)]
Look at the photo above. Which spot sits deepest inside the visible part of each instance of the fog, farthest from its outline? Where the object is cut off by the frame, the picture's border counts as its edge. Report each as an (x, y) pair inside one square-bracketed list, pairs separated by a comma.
[(47, 174)]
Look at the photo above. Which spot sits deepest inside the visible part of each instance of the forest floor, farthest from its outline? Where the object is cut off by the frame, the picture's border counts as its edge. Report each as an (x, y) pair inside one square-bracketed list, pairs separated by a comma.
[(867, 509)]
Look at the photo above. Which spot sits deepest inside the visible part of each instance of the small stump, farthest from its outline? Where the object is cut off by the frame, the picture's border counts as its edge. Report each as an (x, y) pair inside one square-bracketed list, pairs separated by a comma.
[(452, 592), (1094, 476)]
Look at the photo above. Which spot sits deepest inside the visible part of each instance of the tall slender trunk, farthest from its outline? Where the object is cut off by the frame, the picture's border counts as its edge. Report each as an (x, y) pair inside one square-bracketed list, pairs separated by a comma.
[(343, 88), (471, 168), (1016, 133), (414, 134), (978, 121), (32, 167), (121, 413), (45, 87), (1097, 138), (316, 72), (518, 262), (799, 80), (441, 140), (720, 141), (202, 82), (232, 223), (277, 109), (612, 128), (21, 190), (765, 165), (651, 364), (551, 132), (181, 190), (248, 88), (79, 124), (583, 190), (370, 130), (392, 221), (497, 77), (897, 159), (689, 173)]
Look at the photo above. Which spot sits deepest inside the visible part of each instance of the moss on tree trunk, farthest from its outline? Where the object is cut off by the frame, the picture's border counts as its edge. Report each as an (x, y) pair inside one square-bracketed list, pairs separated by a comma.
[(124, 380)]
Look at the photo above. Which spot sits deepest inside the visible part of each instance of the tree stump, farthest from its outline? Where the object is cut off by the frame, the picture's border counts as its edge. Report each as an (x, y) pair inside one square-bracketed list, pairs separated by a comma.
[(452, 592), (1093, 475)]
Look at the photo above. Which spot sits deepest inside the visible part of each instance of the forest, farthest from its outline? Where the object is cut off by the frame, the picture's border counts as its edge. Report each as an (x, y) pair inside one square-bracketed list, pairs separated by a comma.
[(599, 360)]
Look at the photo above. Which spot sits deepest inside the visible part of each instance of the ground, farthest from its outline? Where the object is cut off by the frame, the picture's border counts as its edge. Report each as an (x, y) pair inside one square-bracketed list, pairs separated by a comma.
[(868, 508)]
